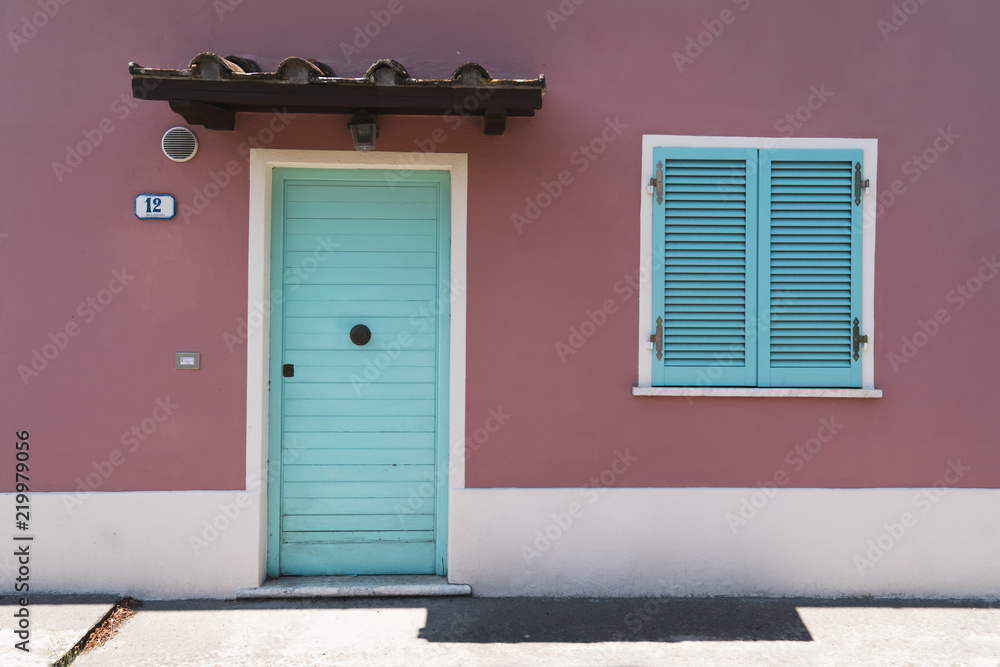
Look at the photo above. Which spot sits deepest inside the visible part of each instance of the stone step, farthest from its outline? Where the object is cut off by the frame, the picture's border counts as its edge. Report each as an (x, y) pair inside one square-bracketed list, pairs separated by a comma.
[(409, 585)]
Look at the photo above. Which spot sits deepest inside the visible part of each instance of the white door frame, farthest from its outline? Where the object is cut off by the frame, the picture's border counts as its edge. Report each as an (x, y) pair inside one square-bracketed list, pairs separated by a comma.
[(262, 161)]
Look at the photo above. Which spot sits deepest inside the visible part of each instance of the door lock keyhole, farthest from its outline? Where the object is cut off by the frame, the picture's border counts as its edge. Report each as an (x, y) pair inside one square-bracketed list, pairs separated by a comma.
[(360, 334)]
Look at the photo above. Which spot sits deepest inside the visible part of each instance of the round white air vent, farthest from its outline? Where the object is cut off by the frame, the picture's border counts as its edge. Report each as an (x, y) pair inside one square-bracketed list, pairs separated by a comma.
[(179, 144)]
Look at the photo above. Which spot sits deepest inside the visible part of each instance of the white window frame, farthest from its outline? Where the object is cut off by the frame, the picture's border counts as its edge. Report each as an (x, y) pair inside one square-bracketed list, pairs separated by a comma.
[(644, 386)]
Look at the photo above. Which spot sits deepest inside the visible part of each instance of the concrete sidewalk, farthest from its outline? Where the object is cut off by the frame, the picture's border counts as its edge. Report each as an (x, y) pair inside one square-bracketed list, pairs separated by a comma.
[(525, 631), (57, 623)]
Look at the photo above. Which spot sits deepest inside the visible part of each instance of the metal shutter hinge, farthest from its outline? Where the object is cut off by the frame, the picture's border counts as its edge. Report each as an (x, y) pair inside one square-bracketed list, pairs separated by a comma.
[(657, 338), (858, 339), (860, 184), (656, 184)]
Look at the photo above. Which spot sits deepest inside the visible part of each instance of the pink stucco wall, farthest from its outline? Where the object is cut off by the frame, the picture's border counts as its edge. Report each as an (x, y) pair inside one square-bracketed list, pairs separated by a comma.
[(63, 235)]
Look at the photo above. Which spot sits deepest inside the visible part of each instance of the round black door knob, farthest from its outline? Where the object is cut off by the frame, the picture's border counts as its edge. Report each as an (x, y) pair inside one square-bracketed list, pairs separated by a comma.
[(360, 334)]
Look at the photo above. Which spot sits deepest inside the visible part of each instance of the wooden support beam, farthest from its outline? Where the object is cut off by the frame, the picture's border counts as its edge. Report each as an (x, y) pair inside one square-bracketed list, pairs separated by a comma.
[(210, 116), (494, 121)]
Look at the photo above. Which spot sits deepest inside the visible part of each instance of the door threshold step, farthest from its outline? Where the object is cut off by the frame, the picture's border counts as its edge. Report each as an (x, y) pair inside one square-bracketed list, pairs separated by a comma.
[(361, 586)]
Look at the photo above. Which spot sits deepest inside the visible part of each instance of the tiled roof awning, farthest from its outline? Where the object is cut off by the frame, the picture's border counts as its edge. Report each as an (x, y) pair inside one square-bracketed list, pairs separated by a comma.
[(212, 90)]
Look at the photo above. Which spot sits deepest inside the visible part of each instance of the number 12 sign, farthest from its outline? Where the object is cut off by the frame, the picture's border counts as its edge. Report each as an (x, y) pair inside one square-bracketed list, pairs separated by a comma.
[(155, 207)]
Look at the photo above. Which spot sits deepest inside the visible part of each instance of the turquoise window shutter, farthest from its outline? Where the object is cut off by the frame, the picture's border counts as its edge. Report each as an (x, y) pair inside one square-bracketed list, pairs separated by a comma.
[(810, 238), (705, 267)]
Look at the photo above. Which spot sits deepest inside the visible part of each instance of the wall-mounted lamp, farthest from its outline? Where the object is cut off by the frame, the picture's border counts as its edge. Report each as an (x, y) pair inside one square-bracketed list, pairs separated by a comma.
[(364, 131)]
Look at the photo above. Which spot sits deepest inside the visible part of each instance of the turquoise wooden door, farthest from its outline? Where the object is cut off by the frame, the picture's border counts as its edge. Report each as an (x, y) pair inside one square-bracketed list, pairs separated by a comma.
[(360, 430)]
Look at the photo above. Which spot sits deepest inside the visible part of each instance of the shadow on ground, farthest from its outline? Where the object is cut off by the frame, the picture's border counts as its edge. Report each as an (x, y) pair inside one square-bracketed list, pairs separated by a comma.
[(522, 620)]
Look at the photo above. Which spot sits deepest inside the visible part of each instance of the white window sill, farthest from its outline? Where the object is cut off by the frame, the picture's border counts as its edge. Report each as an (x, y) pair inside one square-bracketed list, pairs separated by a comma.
[(757, 392)]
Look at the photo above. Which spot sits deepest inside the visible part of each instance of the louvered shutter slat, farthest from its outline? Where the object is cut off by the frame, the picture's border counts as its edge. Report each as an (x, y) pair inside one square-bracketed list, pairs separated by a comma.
[(810, 268), (706, 267)]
